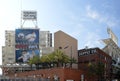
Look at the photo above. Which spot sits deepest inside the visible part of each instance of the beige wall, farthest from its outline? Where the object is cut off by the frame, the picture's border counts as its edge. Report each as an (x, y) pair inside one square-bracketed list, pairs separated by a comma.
[(63, 40), (8, 51), (8, 55)]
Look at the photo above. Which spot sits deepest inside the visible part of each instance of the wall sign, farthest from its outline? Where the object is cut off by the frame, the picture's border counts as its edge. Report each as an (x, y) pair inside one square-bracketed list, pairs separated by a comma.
[(87, 52)]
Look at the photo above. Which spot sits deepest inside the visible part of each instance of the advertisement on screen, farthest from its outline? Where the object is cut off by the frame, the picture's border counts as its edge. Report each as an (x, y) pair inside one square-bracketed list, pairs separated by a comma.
[(27, 44)]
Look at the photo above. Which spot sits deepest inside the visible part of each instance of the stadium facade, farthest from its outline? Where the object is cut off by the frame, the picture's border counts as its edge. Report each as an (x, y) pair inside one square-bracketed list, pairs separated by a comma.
[(25, 41)]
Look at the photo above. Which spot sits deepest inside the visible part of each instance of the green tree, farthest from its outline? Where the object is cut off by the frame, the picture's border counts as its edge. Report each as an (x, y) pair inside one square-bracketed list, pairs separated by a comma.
[(45, 61), (57, 57), (72, 61), (65, 60), (35, 60), (100, 70), (91, 69), (96, 69), (60, 58)]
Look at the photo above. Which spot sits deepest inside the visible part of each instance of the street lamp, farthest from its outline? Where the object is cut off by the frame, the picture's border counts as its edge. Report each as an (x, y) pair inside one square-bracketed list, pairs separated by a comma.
[(70, 53), (64, 47)]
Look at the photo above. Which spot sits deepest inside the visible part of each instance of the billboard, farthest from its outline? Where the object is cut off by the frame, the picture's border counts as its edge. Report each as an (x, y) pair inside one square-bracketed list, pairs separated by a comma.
[(23, 56), (27, 36), (27, 44), (29, 15)]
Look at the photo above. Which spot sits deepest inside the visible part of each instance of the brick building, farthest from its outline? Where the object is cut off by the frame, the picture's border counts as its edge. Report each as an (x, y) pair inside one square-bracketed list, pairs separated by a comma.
[(64, 74), (67, 44), (94, 56)]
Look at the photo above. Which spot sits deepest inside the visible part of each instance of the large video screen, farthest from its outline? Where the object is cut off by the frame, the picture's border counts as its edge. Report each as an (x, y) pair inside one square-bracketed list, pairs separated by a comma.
[(27, 44)]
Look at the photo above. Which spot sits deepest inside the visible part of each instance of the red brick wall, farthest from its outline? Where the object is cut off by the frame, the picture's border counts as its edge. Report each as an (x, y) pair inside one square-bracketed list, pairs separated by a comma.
[(63, 73), (72, 74), (98, 56)]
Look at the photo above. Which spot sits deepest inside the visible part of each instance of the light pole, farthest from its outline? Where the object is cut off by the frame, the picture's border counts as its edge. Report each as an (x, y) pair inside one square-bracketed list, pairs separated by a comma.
[(70, 53), (65, 59), (64, 47), (71, 57)]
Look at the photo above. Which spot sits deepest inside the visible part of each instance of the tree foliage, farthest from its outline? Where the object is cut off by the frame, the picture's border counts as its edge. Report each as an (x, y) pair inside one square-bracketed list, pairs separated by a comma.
[(96, 69), (57, 58)]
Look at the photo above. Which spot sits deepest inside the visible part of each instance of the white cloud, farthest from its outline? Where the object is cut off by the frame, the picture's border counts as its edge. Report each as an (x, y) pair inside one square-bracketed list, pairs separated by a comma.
[(91, 14), (101, 18)]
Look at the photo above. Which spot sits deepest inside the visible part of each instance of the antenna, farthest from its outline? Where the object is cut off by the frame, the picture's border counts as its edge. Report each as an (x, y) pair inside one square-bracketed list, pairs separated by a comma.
[(21, 13)]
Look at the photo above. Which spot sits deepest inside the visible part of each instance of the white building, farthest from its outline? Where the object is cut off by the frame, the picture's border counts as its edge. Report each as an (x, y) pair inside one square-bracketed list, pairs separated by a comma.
[(8, 51), (46, 42), (45, 39)]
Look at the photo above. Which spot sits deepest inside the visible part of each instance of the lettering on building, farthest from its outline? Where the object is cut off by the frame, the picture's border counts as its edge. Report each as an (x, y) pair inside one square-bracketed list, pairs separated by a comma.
[(87, 52)]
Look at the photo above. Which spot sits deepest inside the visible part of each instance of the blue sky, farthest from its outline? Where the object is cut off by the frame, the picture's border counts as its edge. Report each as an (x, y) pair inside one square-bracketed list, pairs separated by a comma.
[(85, 20)]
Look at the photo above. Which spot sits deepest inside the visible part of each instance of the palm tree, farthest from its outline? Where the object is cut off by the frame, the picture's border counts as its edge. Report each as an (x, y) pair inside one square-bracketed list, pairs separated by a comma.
[(35, 60), (51, 59), (46, 60), (65, 59), (57, 57), (31, 63), (72, 61)]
